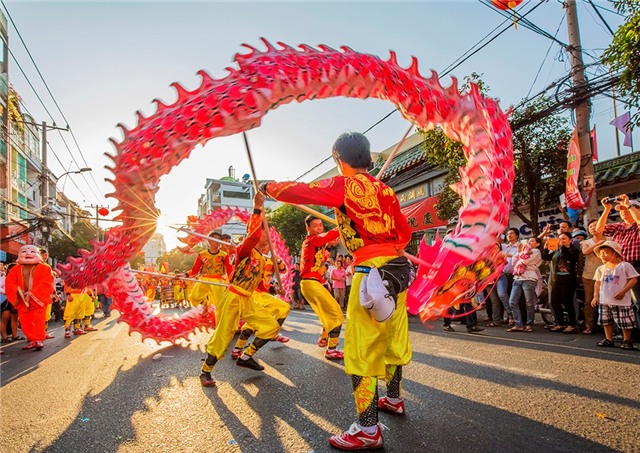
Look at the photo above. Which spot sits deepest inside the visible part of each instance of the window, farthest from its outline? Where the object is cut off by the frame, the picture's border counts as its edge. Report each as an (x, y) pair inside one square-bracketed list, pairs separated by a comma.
[(238, 195)]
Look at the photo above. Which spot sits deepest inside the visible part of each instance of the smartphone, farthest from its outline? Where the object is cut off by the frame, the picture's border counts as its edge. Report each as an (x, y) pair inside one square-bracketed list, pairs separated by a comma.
[(552, 244)]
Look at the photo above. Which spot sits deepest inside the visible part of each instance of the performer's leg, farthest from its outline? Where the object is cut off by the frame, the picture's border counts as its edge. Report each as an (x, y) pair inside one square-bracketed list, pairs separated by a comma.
[(222, 336), (266, 329), (365, 393), (393, 402), (241, 342)]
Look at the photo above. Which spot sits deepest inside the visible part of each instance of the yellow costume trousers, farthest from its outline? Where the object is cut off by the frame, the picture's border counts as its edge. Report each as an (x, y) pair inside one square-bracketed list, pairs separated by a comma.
[(370, 345), (277, 308), (232, 307), (74, 309), (200, 291), (323, 303)]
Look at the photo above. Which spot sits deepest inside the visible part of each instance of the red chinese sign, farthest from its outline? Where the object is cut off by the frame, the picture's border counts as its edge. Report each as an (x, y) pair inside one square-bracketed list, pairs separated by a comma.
[(422, 214)]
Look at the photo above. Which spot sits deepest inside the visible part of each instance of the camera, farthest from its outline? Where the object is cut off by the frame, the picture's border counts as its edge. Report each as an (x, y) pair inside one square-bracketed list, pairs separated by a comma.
[(611, 200)]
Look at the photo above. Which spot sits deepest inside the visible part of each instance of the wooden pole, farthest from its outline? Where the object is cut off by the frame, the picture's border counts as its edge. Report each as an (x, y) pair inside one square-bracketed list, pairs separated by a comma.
[(265, 222)]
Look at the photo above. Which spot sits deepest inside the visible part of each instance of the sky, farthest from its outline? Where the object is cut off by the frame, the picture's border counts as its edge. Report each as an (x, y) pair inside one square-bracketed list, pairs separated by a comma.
[(103, 61)]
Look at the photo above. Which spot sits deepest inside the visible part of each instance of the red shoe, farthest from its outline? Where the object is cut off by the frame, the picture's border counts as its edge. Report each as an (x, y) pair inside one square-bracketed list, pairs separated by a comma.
[(48, 337), (281, 339), (67, 334), (323, 342), (90, 329), (236, 353), (356, 439), (30, 345), (333, 354), (39, 345), (79, 332), (206, 380), (395, 408)]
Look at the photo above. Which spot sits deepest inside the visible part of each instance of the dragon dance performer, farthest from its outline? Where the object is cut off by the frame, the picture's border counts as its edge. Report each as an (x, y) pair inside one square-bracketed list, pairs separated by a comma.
[(278, 308), (375, 232), (28, 288), (213, 266), (78, 301), (236, 301), (314, 255)]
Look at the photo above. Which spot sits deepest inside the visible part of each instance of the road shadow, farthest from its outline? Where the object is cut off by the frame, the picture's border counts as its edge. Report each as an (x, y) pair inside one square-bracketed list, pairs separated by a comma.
[(577, 345), (16, 363)]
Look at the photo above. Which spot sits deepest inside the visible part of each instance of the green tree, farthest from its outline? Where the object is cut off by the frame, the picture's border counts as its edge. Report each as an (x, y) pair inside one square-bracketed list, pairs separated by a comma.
[(62, 247), (289, 221), (178, 260), (624, 53), (540, 156)]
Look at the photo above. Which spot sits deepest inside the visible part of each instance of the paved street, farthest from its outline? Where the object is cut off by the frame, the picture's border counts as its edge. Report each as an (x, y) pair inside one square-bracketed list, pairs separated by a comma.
[(493, 391)]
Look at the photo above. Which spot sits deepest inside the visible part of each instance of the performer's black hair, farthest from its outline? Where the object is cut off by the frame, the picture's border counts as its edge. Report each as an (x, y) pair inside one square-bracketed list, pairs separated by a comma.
[(353, 148), (310, 218)]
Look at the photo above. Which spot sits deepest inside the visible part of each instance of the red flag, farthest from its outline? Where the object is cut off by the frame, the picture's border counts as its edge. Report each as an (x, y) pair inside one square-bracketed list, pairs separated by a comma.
[(623, 122), (573, 196), (594, 144)]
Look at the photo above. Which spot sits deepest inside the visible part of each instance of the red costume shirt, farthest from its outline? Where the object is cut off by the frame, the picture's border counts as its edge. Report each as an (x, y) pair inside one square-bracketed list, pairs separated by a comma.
[(250, 263), (213, 265), (367, 210), (314, 255)]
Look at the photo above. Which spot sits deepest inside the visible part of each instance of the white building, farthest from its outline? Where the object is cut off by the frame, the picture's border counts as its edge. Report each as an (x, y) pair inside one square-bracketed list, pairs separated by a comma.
[(155, 248), (229, 192)]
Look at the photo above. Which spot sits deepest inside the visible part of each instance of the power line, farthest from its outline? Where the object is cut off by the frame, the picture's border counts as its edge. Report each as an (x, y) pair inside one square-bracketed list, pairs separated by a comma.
[(52, 97), (544, 59), (600, 16)]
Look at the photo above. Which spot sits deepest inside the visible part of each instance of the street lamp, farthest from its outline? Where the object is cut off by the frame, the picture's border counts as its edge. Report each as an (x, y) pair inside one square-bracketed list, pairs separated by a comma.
[(74, 172)]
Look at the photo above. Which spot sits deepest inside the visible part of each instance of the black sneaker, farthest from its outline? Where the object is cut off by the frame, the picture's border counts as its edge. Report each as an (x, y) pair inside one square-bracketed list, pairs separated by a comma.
[(448, 329), (206, 380), (249, 363), (474, 329)]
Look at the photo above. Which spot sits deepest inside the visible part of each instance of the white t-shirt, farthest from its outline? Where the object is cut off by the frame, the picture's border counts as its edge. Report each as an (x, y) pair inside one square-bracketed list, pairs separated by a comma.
[(612, 280)]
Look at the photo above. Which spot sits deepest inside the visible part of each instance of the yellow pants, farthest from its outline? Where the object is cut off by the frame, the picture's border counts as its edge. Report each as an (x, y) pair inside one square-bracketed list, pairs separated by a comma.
[(74, 309), (277, 308), (232, 307), (201, 291), (323, 303), (369, 345)]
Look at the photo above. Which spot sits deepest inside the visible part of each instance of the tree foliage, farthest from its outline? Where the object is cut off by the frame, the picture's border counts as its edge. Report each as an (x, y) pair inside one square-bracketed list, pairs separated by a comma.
[(540, 158), (624, 53), (62, 247), (289, 222), (179, 261)]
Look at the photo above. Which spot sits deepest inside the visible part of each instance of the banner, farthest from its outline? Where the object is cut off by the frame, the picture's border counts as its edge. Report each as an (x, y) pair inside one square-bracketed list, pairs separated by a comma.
[(572, 192), (623, 123)]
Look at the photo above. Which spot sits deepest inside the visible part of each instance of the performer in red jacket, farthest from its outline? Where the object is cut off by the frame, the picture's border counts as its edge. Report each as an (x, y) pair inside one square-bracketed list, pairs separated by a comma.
[(375, 232), (29, 286)]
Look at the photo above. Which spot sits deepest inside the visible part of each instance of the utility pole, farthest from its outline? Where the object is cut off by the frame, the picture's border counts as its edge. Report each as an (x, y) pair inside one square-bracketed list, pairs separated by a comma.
[(586, 179)]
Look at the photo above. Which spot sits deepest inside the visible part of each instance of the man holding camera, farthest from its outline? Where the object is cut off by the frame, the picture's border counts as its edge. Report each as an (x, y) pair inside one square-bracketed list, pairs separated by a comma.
[(625, 233)]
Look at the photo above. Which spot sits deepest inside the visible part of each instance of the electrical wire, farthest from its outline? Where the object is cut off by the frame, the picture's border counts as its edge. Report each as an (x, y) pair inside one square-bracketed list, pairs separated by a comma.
[(600, 16), (535, 79), (52, 96)]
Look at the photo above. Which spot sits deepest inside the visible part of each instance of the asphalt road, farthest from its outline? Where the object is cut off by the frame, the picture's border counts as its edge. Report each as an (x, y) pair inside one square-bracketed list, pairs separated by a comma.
[(487, 392)]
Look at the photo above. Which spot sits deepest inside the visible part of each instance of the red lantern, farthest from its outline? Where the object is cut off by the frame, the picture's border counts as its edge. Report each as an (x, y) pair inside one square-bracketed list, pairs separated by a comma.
[(103, 212), (506, 4)]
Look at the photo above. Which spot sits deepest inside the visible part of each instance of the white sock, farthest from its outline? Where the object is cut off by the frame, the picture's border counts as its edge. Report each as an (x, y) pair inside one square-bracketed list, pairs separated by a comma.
[(244, 357), (369, 429), (394, 400)]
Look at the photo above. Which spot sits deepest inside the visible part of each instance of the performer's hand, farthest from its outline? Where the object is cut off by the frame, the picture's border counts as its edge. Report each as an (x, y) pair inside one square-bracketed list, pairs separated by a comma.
[(258, 201), (262, 187)]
